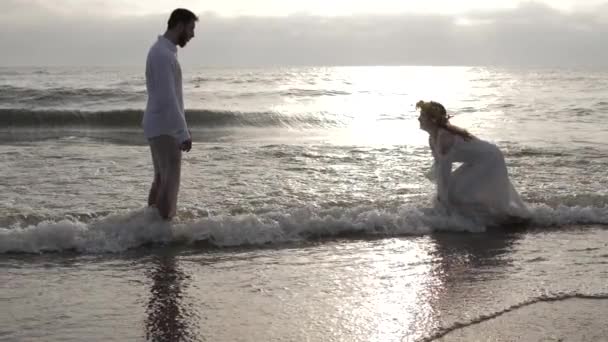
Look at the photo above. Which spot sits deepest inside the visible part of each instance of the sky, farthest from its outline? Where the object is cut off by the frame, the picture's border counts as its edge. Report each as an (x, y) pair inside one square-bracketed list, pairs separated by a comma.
[(310, 32)]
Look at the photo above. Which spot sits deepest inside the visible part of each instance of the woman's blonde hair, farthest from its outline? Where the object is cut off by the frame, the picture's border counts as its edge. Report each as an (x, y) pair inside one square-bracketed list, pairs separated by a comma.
[(439, 116)]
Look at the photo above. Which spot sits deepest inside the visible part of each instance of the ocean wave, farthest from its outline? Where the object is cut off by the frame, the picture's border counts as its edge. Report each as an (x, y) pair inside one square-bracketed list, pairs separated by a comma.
[(61, 95), (121, 231), (16, 118), (518, 151), (197, 80), (133, 91)]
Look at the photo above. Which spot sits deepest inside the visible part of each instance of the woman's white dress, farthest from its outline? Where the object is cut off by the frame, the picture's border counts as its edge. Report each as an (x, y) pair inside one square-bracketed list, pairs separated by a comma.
[(479, 188)]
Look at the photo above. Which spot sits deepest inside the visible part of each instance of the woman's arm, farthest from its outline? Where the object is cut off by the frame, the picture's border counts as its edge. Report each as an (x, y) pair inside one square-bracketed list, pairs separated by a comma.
[(445, 140), (432, 173)]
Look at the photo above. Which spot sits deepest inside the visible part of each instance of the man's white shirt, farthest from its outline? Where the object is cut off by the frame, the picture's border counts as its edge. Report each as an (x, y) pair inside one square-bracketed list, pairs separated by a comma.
[(164, 114)]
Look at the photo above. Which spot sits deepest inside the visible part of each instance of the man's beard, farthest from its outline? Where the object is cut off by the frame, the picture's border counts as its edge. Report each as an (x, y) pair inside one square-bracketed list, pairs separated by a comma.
[(182, 39)]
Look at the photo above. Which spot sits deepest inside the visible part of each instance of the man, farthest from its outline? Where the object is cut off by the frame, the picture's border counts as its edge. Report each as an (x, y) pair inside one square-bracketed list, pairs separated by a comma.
[(164, 120)]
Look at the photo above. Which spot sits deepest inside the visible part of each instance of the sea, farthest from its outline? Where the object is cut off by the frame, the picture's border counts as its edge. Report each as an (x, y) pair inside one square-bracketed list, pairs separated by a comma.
[(304, 212)]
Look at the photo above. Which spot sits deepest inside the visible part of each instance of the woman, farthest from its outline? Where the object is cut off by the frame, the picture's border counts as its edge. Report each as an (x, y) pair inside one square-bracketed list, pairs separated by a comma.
[(480, 187)]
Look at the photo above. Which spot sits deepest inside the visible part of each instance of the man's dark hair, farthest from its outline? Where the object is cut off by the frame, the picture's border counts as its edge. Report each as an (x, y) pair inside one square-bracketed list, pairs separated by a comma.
[(180, 15)]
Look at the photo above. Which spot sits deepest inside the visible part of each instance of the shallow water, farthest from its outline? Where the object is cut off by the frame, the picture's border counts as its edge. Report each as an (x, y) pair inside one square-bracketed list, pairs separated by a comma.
[(388, 289)]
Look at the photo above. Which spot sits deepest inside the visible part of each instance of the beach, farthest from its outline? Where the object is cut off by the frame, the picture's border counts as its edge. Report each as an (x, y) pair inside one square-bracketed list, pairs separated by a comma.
[(304, 210)]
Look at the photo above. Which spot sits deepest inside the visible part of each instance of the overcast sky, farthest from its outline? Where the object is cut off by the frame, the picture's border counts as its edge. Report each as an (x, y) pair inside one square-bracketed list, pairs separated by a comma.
[(310, 32)]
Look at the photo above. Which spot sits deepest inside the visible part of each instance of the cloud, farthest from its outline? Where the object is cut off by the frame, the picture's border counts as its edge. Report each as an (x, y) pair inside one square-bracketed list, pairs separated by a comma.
[(531, 34), (26, 12)]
